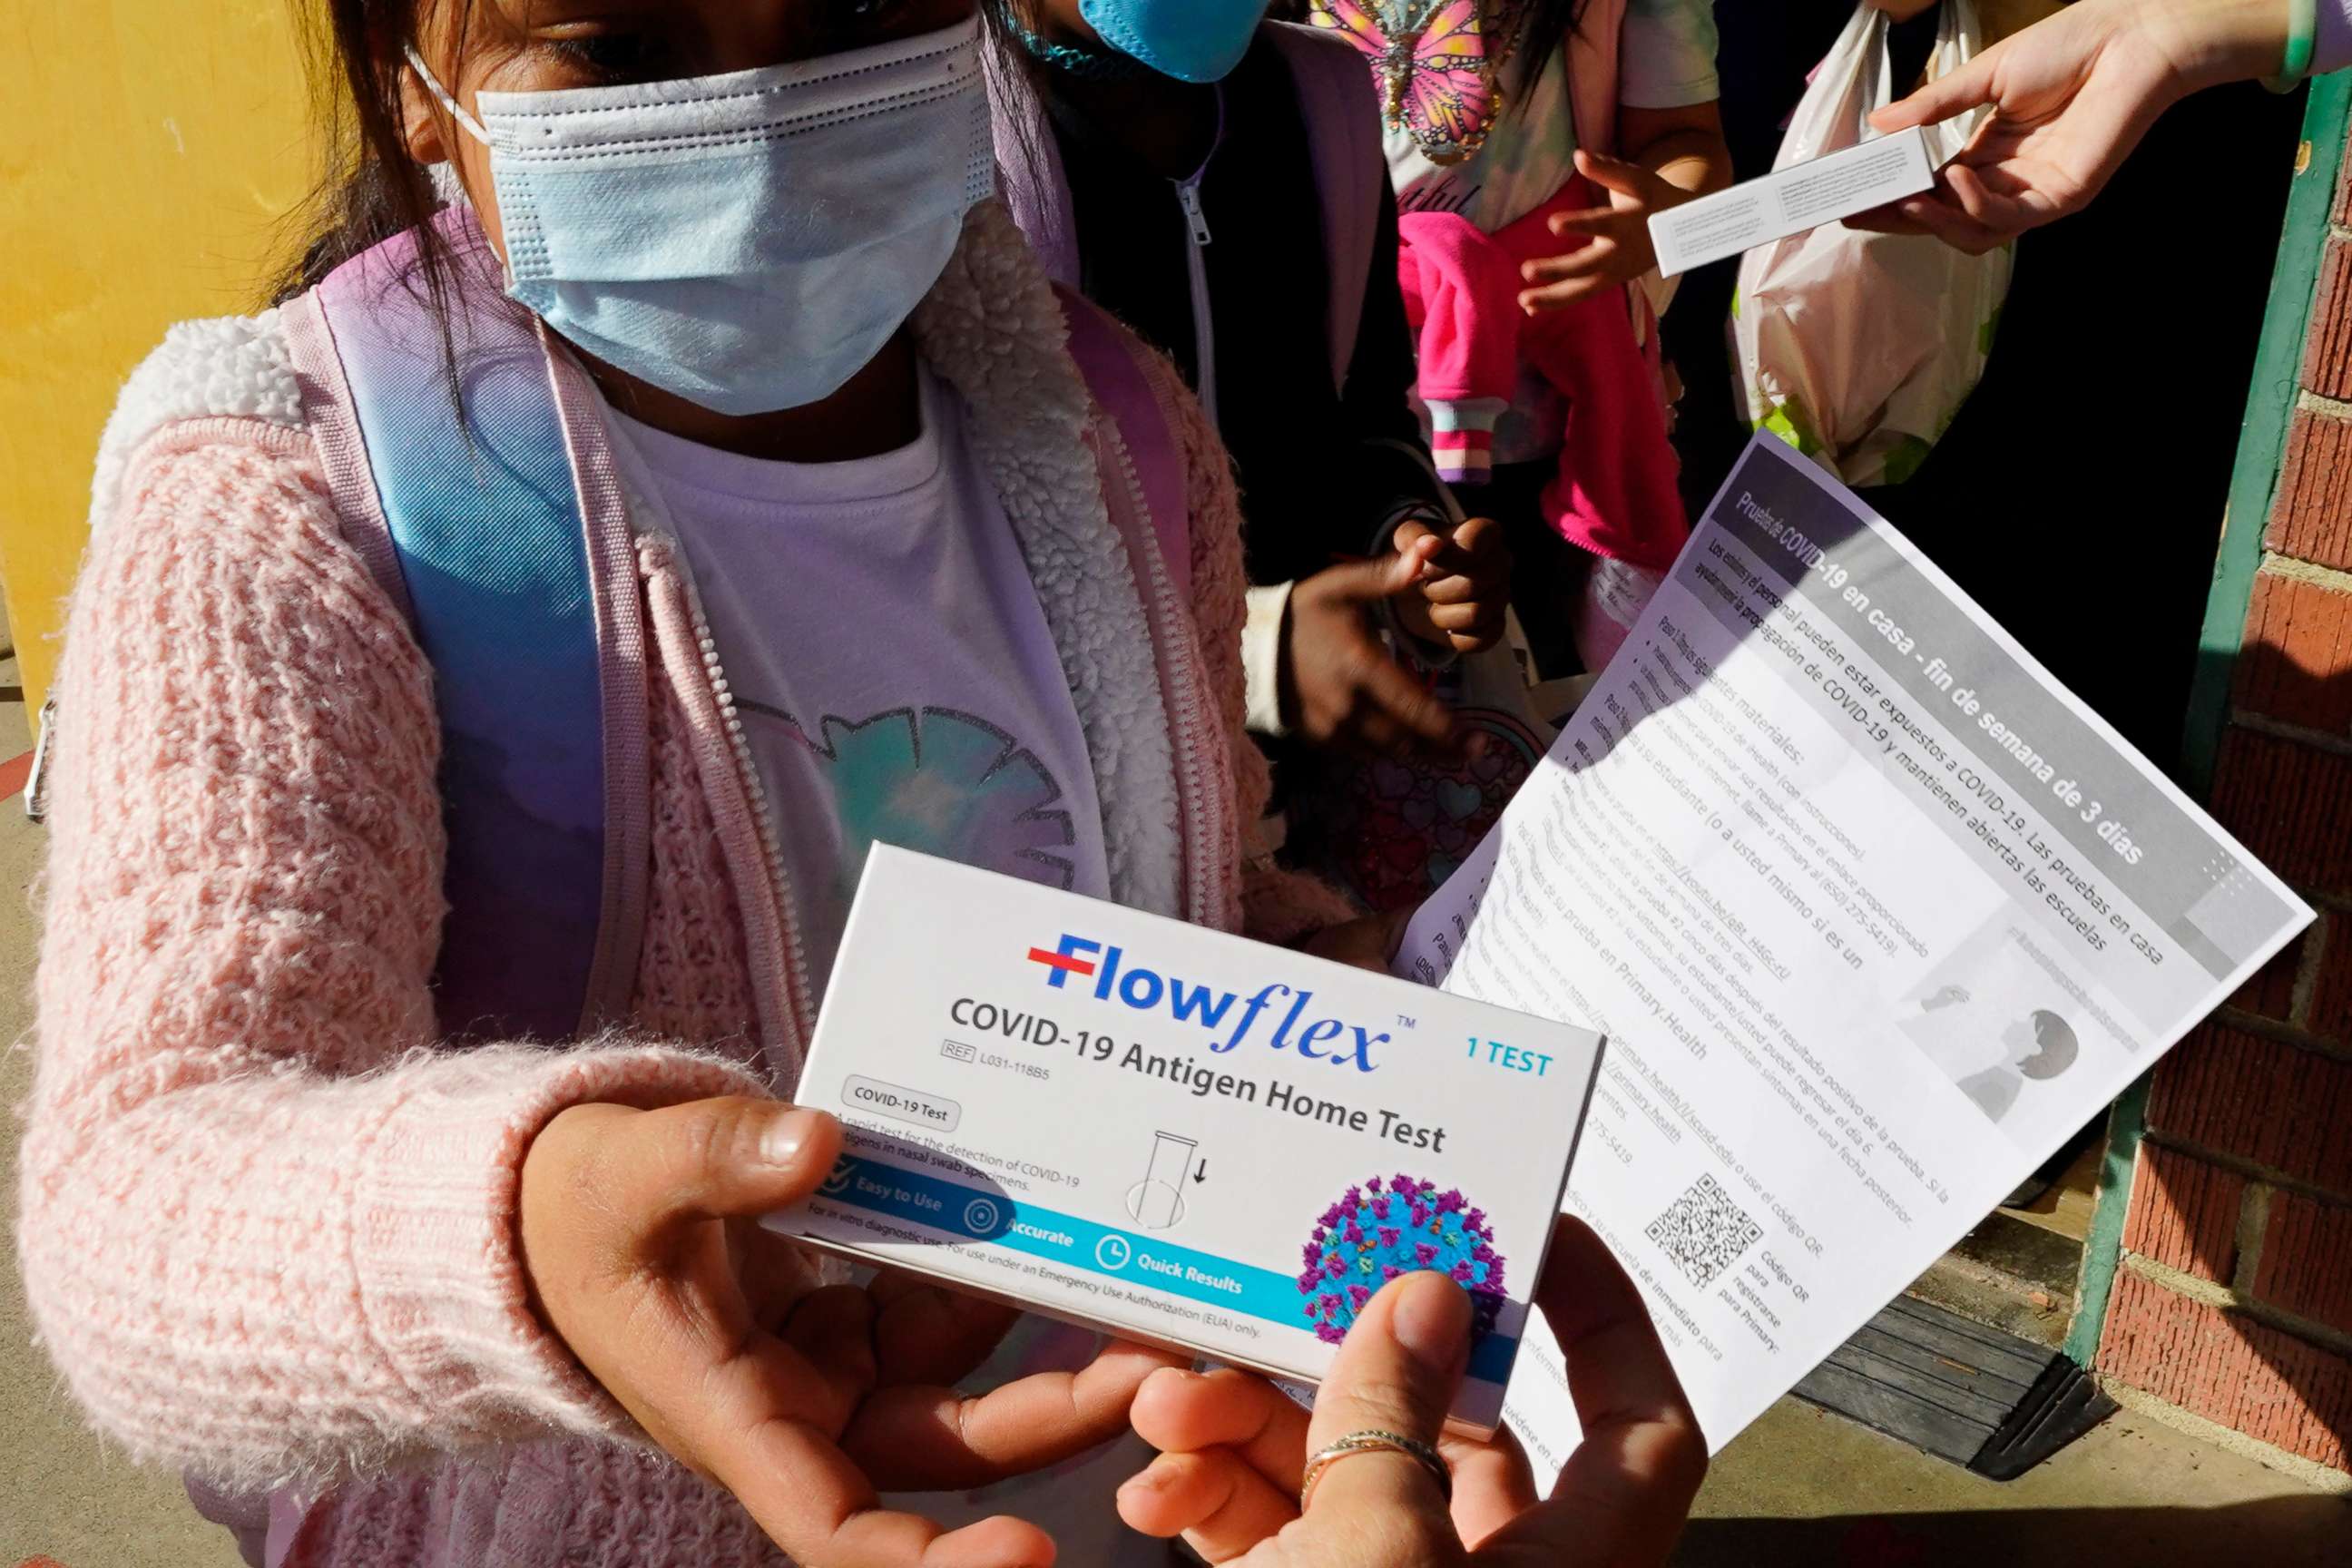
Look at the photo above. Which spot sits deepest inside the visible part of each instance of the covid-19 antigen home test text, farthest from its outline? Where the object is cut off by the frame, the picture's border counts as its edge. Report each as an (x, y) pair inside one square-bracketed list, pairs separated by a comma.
[(1175, 1134)]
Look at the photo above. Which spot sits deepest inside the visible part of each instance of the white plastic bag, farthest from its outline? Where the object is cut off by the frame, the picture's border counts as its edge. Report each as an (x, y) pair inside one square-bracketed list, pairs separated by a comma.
[(1858, 349)]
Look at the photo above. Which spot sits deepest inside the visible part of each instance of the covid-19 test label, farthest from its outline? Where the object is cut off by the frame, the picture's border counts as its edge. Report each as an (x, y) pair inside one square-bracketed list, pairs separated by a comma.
[(1792, 200), (1176, 1134)]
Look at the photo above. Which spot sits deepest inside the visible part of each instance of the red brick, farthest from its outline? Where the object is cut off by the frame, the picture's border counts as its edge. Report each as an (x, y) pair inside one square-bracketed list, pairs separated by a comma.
[(2297, 664), (2292, 805), (2312, 516), (2331, 997), (2328, 347), (2251, 1378), (2270, 993), (2184, 1214), (2307, 1261), (2279, 1106)]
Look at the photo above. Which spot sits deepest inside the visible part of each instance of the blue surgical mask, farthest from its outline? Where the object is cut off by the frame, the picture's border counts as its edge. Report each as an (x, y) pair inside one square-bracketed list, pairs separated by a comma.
[(1192, 41), (747, 242)]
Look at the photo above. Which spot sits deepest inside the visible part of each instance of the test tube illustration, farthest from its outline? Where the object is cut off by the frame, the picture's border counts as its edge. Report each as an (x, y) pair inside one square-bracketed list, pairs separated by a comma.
[(1157, 1201)]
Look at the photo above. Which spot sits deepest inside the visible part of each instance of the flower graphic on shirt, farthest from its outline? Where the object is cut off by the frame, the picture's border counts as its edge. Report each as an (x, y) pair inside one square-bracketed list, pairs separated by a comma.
[(941, 782)]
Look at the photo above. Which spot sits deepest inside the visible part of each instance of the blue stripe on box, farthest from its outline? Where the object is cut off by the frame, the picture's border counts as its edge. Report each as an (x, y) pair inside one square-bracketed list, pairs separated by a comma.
[(966, 1213)]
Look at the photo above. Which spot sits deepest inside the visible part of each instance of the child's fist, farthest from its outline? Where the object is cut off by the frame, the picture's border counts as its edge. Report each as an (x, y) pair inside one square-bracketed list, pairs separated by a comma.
[(1464, 588)]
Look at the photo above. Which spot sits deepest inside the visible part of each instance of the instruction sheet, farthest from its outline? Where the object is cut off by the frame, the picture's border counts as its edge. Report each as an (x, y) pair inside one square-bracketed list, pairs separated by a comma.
[(1874, 912)]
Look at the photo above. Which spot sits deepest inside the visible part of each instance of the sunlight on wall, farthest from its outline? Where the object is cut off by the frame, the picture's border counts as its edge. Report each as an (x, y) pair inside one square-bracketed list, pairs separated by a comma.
[(149, 151)]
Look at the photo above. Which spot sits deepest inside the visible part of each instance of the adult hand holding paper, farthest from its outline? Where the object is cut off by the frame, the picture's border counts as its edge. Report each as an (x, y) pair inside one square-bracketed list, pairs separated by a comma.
[(1873, 913), (727, 1347)]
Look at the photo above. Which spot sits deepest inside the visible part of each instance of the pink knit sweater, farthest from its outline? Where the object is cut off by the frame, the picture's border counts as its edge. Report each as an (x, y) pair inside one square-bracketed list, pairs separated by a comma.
[(267, 1221)]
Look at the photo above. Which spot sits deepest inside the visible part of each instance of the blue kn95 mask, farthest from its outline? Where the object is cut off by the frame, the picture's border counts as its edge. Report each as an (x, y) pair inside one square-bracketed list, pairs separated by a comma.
[(751, 241), (1192, 41)]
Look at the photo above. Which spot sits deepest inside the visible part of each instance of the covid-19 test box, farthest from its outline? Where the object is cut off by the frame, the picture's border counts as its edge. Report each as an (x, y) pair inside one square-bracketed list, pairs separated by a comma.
[(1792, 200), (1174, 1134)]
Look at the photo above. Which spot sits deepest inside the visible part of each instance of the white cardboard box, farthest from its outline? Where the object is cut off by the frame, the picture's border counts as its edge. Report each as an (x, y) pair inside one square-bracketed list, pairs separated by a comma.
[(1792, 200), (1174, 1134)]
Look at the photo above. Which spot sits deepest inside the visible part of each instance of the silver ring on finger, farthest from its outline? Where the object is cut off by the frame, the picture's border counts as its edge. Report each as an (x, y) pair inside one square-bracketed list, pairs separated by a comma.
[(1375, 1442)]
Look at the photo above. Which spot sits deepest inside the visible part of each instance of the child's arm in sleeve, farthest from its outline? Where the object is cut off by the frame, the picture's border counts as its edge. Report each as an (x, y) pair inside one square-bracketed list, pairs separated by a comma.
[(266, 1232)]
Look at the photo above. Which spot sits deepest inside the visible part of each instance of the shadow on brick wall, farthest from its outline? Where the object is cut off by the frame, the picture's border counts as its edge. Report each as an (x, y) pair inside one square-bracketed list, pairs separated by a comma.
[(2235, 1297)]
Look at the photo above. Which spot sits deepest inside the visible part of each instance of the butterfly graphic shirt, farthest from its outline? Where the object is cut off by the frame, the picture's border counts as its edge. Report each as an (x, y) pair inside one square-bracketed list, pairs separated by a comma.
[(1468, 129), (888, 657)]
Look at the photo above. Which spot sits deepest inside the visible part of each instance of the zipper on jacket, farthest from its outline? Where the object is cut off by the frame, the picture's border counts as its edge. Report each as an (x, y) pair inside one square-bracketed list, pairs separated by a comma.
[(1198, 840), (796, 948), (799, 1000), (1204, 326), (763, 823), (1196, 223), (1188, 196)]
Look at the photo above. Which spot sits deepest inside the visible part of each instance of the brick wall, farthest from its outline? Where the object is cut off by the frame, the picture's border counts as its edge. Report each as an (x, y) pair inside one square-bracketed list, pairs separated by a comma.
[(2235, 1296)]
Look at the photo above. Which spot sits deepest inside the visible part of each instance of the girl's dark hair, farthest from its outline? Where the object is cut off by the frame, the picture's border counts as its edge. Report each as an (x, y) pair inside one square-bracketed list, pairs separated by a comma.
[(1000, 18), (372, 189), (1541, 36)]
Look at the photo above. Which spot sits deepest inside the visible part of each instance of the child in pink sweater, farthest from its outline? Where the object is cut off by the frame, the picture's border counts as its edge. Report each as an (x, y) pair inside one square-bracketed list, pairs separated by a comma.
[(863, 570)]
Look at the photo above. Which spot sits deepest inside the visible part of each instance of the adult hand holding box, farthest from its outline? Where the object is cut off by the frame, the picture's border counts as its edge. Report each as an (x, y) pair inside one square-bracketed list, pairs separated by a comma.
[(1790, 200), (1175, 1134)]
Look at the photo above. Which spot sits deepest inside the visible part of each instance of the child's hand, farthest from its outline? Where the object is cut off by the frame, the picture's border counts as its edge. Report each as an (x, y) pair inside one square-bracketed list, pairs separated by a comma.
[(1464, 588), (1368, 942), (1617, 249), (1340, 685), (641, 1255)]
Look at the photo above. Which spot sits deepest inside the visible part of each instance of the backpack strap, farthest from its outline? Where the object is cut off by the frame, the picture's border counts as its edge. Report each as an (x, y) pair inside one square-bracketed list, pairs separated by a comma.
[(477, 520), (1342, 115)]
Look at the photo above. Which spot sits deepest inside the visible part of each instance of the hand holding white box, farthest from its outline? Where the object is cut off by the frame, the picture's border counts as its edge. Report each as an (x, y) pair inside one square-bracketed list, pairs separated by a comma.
[(1791, 201), (1175, 1134)]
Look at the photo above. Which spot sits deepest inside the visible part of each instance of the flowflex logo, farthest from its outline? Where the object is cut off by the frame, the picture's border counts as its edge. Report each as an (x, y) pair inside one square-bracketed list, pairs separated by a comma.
[(1147, 990)]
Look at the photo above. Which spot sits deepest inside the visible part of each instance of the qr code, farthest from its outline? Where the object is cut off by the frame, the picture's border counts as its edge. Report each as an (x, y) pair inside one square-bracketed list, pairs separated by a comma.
[(1704, 1231)]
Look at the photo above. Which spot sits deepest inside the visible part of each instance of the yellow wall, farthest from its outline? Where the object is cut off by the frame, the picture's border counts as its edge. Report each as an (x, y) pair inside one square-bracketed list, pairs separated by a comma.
[(149, 151)]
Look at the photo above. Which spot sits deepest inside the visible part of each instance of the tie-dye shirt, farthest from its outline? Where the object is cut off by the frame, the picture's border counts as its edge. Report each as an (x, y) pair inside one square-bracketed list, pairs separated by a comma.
[(1666, 58)]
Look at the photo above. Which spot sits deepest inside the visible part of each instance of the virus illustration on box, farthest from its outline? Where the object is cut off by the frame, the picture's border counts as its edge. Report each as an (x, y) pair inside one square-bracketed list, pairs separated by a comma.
[(1382, 1230)]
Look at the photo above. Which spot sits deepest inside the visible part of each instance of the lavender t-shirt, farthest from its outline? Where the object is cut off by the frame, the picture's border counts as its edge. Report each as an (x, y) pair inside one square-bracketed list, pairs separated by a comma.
[(889, 661), (897, 682)]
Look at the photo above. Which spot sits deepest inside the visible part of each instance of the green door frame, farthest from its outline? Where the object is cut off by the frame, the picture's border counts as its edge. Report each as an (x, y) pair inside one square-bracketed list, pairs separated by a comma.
[(2253, 482)]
